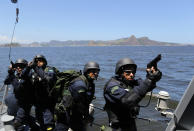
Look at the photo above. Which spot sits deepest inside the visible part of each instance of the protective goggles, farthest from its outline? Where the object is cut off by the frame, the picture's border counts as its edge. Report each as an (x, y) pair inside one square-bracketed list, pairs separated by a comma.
[(128, 72), (39, 59), (20, 66), (94, 71)]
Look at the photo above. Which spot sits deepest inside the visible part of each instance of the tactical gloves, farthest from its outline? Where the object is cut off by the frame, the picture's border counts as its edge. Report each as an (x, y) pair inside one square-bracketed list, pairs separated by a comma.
[(7, 81), (65, 104), (149, 83), (135, 111), (10, 76), (10, 71), (154, 77), (32, 64), (61, 113)]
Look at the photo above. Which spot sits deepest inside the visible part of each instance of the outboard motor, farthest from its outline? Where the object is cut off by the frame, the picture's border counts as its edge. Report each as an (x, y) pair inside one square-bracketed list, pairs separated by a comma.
[(162, 104)]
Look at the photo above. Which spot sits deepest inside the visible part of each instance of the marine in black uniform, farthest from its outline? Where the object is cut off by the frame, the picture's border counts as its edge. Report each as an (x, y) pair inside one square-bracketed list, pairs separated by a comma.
[(82, 91), (44, 78), (19, 76), (123, 92)]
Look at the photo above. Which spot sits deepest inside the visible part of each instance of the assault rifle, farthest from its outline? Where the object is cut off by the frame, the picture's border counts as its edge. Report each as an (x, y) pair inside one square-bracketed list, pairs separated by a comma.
[(154, 62)]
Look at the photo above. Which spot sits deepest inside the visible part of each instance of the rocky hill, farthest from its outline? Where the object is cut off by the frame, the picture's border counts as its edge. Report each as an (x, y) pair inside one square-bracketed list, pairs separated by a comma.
[(142, 41), (129, 41)]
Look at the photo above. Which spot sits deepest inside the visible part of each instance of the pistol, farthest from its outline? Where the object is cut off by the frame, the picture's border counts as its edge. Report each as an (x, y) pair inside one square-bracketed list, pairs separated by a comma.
[(154, 62)]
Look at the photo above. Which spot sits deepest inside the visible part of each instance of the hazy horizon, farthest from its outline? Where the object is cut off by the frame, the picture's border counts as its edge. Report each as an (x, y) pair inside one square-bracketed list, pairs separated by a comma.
[(42, 21)]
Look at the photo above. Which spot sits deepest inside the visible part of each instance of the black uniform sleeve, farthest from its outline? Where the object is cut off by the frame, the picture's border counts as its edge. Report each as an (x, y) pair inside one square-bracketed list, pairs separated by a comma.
[(40, 72), (79, 94), (47, 77), (26, 73), (134, 96), (131, 99), (8, 80), (148, 84)]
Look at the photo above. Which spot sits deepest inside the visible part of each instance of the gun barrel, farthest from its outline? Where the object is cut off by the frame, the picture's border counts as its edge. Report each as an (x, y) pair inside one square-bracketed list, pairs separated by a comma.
[(154, 61)]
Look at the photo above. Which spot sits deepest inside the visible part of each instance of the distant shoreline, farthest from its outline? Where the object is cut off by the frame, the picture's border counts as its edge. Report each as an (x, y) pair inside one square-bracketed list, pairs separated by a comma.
[(129, 41), (92, 46)]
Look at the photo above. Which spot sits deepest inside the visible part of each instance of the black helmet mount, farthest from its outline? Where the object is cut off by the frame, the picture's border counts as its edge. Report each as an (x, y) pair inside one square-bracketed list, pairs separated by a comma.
[(124, 62), (91, 65)]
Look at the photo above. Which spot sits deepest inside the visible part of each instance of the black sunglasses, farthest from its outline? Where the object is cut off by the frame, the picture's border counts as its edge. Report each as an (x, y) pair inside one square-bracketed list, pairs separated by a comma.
[(20, 65), (40, 59), (130, 71), (94, 70)]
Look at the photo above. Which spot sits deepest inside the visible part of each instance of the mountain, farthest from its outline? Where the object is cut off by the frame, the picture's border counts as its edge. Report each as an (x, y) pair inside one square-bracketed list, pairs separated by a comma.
[(129, 41), (142, 41), (132, 40)]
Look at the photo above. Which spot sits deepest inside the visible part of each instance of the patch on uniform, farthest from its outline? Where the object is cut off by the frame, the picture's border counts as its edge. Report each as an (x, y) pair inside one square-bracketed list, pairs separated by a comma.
[(114, 89), (81, 90), (49, 128), (50, 70)]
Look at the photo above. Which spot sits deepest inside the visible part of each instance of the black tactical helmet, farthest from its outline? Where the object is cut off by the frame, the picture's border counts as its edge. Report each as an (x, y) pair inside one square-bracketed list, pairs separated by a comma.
[(91, 65), (21, 61), (123, 62), (40, 57)]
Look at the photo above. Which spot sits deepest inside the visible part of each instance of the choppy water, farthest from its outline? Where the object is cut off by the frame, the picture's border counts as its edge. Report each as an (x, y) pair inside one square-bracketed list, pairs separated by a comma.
[(177, 66)]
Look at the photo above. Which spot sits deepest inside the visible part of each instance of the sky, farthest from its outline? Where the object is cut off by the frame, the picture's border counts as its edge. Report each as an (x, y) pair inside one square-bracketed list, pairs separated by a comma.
[(45, 20)]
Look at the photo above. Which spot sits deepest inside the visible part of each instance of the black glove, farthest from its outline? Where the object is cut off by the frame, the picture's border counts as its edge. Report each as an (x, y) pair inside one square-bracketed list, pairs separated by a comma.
[(7, 81), (135, 111), (32, 64), (154, 77), (60, 108), (64, 105), (10, 71), (61, 113), (9, 78)]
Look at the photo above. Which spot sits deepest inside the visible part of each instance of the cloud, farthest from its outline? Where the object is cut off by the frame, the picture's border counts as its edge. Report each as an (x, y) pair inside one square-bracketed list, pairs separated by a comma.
[(6, 39)]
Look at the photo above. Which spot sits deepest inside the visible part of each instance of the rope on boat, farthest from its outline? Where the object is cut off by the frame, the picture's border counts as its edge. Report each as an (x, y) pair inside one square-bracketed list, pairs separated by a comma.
[(2, 87), (148, 101), (4, 95), (97, 108)]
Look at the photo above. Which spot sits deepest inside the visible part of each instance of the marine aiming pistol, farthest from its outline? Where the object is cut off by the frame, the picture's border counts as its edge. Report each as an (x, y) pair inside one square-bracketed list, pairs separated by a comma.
[(154, 62)]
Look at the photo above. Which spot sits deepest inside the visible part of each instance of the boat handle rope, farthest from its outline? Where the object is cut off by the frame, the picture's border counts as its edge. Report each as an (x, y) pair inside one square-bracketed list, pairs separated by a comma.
[(102, 109), (148, 102)]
